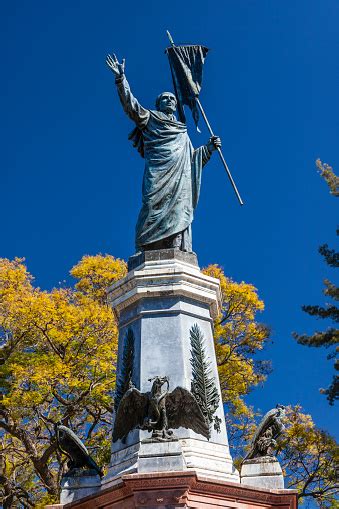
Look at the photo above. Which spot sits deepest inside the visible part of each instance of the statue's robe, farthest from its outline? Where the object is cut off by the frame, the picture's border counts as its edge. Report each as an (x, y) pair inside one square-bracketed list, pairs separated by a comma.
[(172, 176)]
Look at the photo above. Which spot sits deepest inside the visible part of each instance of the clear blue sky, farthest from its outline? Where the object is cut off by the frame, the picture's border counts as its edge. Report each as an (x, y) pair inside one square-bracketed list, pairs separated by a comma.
[(71, 182)]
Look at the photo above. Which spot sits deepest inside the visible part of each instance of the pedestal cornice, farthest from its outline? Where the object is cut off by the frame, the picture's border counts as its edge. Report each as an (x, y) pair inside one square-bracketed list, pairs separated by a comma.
[(159, 276), (184, 489)]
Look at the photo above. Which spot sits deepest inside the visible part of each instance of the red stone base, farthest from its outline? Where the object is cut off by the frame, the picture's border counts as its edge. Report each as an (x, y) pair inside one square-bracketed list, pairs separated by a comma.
[(174, 490)]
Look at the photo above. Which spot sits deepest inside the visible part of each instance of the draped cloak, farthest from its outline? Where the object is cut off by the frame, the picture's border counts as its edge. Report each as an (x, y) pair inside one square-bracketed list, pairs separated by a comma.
[(172, 176)]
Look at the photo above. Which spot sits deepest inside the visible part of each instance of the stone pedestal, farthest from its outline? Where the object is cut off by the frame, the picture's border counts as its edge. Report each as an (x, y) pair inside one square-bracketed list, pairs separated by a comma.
[(163, 295), (183, 490), (262, 472), (78, 487)]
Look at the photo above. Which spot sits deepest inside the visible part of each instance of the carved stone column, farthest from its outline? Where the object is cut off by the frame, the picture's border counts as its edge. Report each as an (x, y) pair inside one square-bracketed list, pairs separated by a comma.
[(163, 298)]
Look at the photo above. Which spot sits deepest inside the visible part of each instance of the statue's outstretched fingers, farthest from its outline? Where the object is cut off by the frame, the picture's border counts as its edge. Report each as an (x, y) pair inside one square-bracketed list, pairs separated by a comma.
[(110, 61)]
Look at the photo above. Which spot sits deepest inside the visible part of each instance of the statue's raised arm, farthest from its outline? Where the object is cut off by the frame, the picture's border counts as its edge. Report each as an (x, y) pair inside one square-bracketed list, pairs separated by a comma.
[(132, 107)]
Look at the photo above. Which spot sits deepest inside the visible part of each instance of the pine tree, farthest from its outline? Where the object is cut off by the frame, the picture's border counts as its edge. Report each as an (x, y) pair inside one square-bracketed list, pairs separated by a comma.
[(329, 337)]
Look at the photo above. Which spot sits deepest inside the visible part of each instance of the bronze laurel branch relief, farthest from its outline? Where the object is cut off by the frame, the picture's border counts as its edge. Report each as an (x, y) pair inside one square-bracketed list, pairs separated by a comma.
[(159, 411), (125, 380), (203, 385)]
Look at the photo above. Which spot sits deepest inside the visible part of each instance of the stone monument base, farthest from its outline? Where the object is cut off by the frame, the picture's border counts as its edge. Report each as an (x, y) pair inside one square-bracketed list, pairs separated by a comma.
[(187, 490), (264, 472), (206, 459)]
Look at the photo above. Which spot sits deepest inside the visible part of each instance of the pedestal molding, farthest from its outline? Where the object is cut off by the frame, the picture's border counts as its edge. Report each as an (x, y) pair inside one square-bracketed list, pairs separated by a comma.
[(158, 279), (179, 488), (159, 303)]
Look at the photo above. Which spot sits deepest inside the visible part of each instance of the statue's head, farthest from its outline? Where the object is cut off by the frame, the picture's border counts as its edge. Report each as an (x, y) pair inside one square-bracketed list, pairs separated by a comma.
[(166, 102)]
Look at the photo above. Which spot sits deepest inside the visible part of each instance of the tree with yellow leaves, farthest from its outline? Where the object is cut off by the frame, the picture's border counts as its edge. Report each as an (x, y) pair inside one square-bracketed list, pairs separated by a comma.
[(309, 458), (238, 337), (308, 455), (58, 364), (59, 351)]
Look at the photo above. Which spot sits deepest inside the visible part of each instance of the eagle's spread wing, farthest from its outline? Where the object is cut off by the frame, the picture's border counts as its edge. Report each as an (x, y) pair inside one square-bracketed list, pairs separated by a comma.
[(183, 410), (266, 422), (270, 420), (69, 443), (131, 413)]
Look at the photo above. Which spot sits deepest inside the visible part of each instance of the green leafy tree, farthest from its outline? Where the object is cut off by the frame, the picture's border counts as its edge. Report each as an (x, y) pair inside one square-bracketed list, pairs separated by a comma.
[(330, 337)]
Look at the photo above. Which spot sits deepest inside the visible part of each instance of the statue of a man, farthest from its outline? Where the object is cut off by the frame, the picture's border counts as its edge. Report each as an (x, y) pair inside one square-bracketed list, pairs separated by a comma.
[(172, 176)]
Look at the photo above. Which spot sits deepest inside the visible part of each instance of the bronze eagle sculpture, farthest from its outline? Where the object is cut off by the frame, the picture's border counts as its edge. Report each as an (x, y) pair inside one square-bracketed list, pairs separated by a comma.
[(157, 411), (270, 428), (74, 449)]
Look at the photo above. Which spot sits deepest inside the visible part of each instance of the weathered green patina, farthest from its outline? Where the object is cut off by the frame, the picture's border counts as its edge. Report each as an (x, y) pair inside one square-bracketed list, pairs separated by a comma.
[(173, 168)]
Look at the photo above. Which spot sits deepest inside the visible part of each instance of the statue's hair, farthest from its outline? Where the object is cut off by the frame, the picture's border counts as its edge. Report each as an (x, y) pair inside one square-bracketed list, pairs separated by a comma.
[(158, 99)]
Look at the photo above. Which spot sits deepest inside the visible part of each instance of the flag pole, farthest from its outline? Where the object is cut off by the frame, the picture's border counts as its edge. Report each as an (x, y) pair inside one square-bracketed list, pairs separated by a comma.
[(220, 152), (212, 134)]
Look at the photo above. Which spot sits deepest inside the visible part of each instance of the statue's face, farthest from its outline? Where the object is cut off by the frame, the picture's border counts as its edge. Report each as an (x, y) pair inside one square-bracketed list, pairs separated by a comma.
[(167, 103)]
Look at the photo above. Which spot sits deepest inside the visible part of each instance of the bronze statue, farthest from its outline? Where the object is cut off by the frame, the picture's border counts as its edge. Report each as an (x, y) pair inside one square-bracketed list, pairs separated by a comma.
[(157, 411), (75, 450), (173, 168), (270, 428)]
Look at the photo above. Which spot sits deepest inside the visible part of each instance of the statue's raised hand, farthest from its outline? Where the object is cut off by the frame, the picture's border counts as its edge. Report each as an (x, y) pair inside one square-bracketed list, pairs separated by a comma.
[(117, 68)]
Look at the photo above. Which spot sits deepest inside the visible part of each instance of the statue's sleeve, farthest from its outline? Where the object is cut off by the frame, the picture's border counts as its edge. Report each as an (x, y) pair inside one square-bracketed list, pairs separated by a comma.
[(203, 153), (131, 106), (200, 157)]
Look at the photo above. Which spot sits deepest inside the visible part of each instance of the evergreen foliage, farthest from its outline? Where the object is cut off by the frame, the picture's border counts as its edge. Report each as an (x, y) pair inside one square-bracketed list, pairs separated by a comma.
[(125, 380), (331, 179), (203, 384), (330, 337)]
